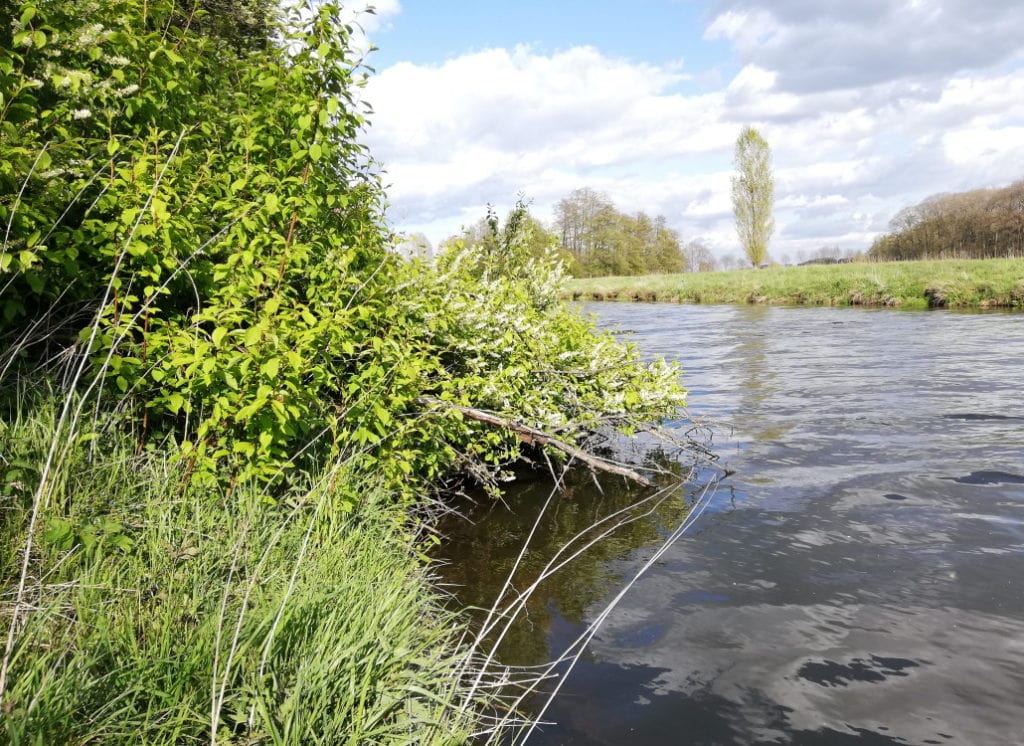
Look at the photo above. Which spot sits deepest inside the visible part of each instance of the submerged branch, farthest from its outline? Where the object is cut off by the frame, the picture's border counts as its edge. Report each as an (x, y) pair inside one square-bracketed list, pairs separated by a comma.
[(533, 436)]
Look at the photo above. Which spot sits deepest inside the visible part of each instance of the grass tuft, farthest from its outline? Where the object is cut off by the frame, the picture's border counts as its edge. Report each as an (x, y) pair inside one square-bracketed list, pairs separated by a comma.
[(161, 615)]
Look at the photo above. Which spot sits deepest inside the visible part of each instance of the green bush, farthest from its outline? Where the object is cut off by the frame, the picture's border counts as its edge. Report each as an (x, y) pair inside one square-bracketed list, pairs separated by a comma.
[(212, 209)]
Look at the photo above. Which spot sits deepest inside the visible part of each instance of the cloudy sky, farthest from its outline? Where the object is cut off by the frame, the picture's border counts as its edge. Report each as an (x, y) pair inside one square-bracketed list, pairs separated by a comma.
[(868, 105)]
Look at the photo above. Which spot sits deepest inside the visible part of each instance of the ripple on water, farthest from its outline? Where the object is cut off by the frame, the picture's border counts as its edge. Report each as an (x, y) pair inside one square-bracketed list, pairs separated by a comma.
[(858, 579)]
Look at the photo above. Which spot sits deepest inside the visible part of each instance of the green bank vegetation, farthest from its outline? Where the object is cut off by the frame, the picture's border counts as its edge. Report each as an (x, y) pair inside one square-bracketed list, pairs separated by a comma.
[(167, 615), (227, 410), (994, 283)]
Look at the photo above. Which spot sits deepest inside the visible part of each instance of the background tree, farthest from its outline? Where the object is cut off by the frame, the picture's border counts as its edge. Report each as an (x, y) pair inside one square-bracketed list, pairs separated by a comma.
[(415, 246), (699, 257), (520, 237), (979, 224), (604, 241), (753, 193)]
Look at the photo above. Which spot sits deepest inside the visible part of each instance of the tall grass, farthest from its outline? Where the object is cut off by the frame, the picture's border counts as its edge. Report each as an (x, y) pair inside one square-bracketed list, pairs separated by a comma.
[(155, 613), (980, 283)]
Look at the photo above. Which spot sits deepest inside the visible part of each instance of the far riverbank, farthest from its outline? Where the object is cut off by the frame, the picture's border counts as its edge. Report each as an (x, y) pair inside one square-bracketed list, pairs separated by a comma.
[(952, 283)]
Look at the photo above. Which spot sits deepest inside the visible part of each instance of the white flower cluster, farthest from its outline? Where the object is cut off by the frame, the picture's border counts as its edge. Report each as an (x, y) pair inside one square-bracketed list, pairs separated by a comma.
[(90, 35)]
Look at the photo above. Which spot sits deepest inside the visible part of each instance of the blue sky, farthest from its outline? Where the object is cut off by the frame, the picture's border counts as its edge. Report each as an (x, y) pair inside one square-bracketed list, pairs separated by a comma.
[(662, 31), (869, 106)]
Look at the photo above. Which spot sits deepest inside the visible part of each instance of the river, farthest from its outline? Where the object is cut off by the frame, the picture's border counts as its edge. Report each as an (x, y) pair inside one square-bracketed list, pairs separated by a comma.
[(857, 577)]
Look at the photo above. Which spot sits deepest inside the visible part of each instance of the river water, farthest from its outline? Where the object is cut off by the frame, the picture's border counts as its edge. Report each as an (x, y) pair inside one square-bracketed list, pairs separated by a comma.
[(858, 575)]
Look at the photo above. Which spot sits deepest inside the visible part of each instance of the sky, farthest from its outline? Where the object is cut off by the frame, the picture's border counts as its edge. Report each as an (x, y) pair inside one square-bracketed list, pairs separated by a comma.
[(869, 106)]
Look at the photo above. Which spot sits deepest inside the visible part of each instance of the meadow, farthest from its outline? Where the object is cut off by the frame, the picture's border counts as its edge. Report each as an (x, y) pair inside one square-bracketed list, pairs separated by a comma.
[(980, 283)]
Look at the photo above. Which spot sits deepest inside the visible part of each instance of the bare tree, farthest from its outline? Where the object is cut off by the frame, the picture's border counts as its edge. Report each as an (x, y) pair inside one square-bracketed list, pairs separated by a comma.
[(698, 257), (982, 223)]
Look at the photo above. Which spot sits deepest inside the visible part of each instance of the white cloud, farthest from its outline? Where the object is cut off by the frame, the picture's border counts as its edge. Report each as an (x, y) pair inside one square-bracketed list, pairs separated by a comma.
[(481, 127), (745, 28), (818, 45), (985, 144)]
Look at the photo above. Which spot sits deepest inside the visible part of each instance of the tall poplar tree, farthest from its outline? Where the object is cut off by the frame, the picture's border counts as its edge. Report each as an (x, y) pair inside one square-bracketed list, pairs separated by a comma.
[(753, 194)]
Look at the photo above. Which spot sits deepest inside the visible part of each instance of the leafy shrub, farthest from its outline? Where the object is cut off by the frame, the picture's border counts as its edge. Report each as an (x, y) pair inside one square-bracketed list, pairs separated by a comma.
[(199, 215)]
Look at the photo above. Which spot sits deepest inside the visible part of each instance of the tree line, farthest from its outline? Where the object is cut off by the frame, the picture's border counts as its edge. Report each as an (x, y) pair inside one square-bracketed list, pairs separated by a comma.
[(593, 238), (605, 241), (979, 224)]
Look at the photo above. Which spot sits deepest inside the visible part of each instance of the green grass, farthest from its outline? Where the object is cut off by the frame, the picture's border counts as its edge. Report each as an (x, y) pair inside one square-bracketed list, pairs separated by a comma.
[(983, 283), (161, 615)]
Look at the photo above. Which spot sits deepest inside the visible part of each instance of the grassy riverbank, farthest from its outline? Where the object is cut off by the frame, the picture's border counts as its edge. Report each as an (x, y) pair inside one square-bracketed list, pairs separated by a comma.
[(988, 283), (163, 614)]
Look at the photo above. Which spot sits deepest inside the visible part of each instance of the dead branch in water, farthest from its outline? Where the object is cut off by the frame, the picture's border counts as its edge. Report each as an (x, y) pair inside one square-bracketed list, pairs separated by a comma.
[(533, 436)]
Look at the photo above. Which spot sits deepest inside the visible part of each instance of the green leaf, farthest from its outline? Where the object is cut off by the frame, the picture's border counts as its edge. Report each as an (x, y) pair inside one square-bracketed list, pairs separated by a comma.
[(315, 152), (218, 335), (59, 533)]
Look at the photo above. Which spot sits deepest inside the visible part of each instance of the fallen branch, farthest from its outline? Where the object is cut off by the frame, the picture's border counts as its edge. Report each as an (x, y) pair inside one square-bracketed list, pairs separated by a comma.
[(533, 436)]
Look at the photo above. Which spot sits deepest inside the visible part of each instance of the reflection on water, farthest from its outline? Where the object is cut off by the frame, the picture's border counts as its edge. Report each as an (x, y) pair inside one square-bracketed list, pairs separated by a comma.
[(483, 551), (859, 576)]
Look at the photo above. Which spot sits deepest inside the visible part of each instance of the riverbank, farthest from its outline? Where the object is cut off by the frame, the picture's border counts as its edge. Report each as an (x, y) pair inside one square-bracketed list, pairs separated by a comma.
[(164, 612), (984, 283), (228, 410)]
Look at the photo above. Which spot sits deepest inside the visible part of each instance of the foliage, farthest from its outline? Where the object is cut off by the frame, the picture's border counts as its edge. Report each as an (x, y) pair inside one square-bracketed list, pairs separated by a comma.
[(603, 241), (205, 523), (515, 241), (228, 240), (167, 618), (753, 194), (504, 342), (990, 283), (215, 212), (980, 224)]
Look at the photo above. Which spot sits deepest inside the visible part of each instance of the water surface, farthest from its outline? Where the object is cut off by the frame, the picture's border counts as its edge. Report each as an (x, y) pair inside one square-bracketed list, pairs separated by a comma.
[(858, 577)]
